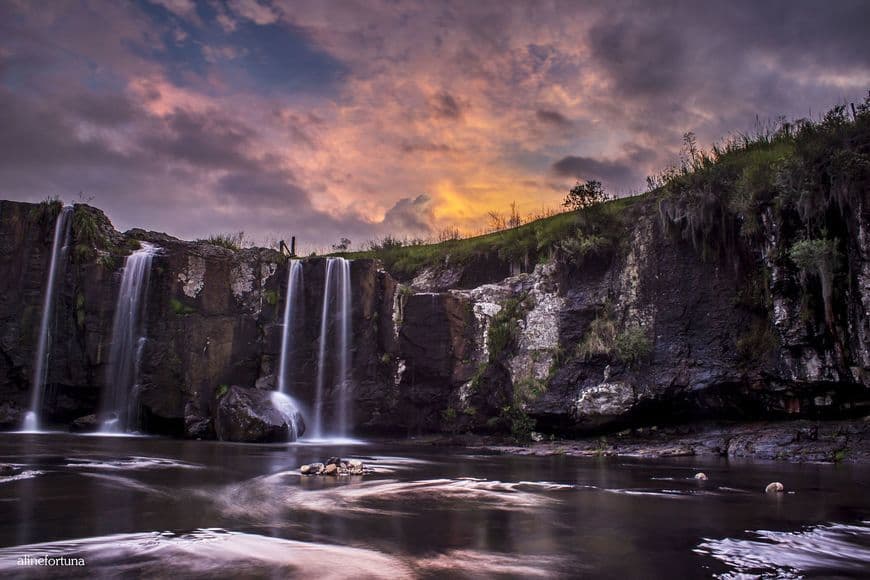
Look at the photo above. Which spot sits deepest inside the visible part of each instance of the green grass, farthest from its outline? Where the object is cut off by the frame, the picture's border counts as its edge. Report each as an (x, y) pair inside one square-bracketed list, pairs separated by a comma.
[(594, 228), (230, 241), (802, 169), (46, 211), (180, 308)]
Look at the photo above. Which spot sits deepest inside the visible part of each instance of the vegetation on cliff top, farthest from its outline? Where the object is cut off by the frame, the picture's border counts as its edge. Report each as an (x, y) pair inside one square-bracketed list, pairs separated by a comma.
[(575, 233), (806, 181)]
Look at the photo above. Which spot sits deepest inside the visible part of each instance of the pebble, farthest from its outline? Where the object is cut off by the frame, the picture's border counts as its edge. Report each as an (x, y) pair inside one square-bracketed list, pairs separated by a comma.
[(336, 466), (7, 470)]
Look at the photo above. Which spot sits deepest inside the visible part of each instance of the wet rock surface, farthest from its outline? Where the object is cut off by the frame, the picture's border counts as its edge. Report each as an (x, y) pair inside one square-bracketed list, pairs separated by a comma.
[(335, 467), (422, 356), (797, 441), (85, 424), (251, 416)]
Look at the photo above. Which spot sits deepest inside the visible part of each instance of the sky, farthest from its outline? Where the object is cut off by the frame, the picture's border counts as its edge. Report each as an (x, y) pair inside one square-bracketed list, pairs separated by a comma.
[(358, 119)]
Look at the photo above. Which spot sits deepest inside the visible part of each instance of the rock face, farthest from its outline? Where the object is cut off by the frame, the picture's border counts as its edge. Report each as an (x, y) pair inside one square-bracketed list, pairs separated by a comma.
[(252, 415), (618, 339)]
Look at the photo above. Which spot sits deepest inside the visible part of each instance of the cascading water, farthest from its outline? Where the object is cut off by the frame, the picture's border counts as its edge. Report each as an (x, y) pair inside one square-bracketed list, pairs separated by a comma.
[(128, 337), (294, 289), (57, 267), (336, 309)]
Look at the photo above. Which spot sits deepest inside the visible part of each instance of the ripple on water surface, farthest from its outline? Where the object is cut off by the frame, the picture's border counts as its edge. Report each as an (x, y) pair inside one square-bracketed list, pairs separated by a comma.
[(210, 553), (835, 549)]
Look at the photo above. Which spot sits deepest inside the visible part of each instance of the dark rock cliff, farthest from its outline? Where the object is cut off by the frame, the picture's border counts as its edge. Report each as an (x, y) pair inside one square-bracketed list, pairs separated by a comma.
[(646, 333)]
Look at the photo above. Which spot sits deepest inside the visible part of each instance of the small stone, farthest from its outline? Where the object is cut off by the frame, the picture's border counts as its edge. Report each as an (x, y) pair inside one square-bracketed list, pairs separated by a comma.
[(331, 469), (774, 487), (701, 476), (305, 469), (85, 424), (7, 470)]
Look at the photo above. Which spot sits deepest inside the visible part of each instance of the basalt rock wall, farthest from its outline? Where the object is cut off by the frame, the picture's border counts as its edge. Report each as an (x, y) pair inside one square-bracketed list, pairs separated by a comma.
[(647, 332)]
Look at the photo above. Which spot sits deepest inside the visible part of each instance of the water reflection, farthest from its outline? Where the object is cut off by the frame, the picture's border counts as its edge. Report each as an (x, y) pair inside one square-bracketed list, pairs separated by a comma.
[(424, 512), (833, 547)]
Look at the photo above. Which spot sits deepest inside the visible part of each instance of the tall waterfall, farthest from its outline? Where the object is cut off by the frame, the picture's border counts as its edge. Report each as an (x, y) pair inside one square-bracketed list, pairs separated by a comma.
[(57, 267), (294, 289), (336, 310), (119, 406)]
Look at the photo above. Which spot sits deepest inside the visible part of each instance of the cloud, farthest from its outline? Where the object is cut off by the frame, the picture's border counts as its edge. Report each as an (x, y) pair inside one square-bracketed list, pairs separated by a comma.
[(323, 118), (616, 174), (207, 140), (181, 8), (554, 118), (260, 13), (410, 215), (446, 106)]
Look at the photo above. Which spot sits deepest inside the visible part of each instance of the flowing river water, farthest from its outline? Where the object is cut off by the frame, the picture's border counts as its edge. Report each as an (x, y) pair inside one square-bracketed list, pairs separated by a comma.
[(147, 507)]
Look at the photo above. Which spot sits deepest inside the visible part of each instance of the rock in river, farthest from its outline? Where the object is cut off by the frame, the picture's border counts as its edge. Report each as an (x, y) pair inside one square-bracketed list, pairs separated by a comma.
[(253, 415), (774, 487)]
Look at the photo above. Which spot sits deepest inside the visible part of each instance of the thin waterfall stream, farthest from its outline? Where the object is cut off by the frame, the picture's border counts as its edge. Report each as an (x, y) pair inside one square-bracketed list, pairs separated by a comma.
[(294, 292), (128, 338), (335, 321), (56, 270)]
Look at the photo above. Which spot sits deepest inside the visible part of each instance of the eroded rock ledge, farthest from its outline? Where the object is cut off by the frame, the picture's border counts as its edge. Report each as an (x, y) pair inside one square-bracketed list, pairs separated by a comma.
[(796, 441)]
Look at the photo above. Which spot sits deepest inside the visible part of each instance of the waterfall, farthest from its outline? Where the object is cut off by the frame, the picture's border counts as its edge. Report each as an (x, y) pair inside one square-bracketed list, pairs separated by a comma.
[(119, 408), (336, 309), (294, 289), (56, 269)]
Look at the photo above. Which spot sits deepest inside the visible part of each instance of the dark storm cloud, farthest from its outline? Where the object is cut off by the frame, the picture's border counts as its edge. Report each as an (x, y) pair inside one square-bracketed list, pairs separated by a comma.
[(617, 174), (271, 115), (206, 140), (446, 106), (554, 118), (424, 147), (264, 187), (37, 136), (734, 60), (104, 109)]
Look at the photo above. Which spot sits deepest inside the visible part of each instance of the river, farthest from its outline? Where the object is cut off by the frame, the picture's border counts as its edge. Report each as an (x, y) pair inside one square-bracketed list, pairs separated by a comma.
[(155, 508)]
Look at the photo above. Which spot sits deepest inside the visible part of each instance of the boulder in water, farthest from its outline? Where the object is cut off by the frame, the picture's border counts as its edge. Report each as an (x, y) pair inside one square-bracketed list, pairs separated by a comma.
[(256, 416), (10, 415), (701, 476), (331, 469), (774, 487), (85, 424), (7, 470)]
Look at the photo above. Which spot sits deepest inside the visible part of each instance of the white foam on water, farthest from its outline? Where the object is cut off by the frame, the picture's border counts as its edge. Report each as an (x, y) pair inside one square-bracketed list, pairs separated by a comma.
[(330, 441), (262, 496), (835, 549), (27, 474), (129, 483), (132, 462), (213, 552), (480, 564)]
